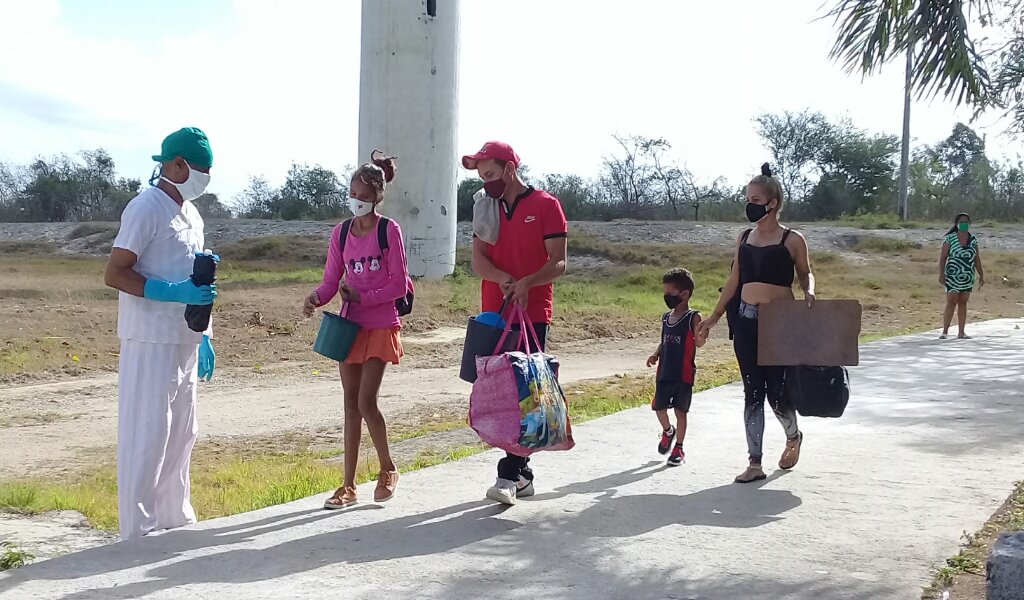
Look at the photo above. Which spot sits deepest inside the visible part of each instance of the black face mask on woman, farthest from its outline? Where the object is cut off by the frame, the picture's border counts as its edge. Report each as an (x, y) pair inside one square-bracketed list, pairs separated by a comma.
[(756, 212)]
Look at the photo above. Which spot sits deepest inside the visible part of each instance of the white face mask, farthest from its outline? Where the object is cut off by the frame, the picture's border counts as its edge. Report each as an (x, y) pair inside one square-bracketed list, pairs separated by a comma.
[(360, 208), (193, 187)]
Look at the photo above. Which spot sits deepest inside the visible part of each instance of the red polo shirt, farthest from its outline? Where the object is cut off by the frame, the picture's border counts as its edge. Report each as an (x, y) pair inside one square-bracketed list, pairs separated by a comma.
[(532, 218)]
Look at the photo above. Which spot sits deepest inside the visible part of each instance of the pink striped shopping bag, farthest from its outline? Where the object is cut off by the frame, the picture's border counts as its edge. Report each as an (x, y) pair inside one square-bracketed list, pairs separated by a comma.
[(517, 404)]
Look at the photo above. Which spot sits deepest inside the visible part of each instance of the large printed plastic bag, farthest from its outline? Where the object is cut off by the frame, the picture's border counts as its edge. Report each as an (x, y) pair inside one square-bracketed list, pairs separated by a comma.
[(517, 403)]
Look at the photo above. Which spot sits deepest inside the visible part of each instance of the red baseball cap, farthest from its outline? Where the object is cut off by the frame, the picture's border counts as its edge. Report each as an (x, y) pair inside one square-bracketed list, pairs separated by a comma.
[(491, 150)]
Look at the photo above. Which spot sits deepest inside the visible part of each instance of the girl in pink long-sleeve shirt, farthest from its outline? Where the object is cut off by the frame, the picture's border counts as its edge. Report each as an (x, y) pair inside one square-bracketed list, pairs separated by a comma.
[(370, 281)]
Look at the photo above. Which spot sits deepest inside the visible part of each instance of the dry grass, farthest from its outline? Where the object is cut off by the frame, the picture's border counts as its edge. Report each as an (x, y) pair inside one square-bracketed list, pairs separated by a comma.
[(230, 478), (99, 233), (224, 482), (56, 317), (55, 308), (22, 249), (296, 250)]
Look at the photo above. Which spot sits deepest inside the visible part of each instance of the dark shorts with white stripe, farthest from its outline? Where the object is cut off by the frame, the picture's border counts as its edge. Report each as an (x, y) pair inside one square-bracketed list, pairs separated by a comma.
[(672, 394)]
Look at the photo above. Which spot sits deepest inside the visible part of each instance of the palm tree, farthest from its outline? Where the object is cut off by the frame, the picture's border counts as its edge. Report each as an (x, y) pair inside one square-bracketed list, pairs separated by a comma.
[(945, 59)]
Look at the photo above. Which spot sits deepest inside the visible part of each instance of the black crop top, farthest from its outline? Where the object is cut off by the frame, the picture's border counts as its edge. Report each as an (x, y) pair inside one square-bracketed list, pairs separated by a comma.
[(766, 264)]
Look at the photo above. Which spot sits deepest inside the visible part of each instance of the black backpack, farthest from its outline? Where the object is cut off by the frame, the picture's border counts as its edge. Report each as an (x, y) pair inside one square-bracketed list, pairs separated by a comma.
[(403, 304)]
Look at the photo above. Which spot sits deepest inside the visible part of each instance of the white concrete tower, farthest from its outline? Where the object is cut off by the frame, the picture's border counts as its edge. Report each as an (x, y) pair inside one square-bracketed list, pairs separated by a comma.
[(408, 107)]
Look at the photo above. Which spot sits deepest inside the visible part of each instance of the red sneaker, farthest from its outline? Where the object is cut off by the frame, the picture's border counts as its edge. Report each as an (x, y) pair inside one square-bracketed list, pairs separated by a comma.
[(677, 457), (666, 440)]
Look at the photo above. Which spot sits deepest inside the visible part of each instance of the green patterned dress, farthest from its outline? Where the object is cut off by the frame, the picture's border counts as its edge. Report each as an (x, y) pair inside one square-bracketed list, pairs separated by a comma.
[(960, 264)]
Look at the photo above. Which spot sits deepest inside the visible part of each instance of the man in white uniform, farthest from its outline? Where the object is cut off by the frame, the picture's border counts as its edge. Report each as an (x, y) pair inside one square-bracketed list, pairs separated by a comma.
[(161, 358)]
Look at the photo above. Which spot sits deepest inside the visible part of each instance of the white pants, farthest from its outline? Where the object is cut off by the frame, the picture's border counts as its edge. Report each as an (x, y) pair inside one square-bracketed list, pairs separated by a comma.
[(157, 428)]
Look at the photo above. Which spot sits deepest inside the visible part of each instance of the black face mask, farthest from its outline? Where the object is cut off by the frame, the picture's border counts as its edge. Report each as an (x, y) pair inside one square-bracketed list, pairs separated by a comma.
[(672, 301), (756, 212)]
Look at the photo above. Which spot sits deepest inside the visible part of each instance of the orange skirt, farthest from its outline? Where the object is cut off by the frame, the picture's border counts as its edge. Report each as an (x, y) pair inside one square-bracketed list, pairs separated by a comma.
[(383, 344)]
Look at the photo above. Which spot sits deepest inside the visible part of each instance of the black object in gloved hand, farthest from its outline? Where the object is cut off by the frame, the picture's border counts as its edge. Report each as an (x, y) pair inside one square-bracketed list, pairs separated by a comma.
[(204, 272)]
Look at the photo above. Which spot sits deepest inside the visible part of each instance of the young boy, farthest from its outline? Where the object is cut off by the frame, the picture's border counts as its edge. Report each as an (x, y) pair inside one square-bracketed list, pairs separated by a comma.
[(676, 362)]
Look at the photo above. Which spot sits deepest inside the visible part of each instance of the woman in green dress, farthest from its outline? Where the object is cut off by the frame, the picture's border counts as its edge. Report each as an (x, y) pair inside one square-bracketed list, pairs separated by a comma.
[(957, 265)]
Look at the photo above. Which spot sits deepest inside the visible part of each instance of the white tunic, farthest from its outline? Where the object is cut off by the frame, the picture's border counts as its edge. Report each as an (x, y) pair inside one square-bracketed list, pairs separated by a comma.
[(165, 237)]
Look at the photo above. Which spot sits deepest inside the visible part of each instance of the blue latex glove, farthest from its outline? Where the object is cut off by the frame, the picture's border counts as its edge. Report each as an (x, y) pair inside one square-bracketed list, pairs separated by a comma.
[(207, 359), (184, 292)]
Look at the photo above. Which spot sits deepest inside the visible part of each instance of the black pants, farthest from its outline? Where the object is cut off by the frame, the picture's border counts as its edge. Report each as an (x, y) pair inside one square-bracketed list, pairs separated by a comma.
[(512, 467), (759, 383)]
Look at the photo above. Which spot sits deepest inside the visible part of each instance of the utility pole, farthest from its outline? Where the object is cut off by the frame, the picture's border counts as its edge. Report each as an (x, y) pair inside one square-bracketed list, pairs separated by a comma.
[(408, 107), (905, 156)]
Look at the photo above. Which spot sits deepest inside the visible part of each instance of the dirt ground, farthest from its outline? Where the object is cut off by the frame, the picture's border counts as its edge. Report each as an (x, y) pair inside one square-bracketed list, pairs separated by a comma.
[(57, 320), (58, 356), (52, 428), (95, 237), (58, 345)]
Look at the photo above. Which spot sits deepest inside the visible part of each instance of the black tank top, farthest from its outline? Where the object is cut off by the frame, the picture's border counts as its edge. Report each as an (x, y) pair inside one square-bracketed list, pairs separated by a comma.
[(678, 349), (766, 264)]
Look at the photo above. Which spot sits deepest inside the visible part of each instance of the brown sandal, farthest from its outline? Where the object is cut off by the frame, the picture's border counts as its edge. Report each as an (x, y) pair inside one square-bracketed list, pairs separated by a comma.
[(753, 473), (791, 455), (387, 481), (343, 498)]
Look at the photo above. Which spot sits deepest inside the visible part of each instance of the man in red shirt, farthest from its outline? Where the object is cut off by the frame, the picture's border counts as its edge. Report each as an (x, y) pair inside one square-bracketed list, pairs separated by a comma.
[(520, 256)]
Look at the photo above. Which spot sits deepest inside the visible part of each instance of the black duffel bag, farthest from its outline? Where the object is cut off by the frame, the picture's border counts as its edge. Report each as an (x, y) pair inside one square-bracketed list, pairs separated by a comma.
[(817, 391)]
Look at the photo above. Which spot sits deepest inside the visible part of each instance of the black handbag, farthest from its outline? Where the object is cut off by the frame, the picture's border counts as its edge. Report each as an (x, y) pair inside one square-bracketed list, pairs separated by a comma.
[(481, 340), (817, 391)]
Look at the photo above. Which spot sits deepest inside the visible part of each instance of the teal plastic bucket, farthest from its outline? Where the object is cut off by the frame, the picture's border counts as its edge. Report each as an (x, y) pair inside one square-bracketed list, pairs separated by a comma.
[(335, 338)]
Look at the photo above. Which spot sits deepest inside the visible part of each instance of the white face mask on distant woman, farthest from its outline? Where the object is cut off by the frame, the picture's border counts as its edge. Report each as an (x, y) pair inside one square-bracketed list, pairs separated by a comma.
[(360, 208)]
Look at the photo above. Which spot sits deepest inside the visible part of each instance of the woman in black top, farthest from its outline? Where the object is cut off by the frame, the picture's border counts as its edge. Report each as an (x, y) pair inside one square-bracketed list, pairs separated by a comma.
[(763, 271)]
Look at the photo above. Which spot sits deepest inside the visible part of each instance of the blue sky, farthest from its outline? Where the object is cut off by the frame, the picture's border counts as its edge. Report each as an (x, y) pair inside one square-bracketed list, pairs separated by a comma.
[(275, 81)]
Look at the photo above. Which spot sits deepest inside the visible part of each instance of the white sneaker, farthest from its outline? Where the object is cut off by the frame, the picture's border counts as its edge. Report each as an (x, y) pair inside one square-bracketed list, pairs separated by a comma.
[(524, 487), (504, 491)]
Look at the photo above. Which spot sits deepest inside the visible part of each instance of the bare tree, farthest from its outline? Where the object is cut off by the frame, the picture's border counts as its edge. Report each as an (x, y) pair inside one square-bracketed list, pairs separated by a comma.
[(13, 180), (670, 177), (626, 179), (794, 140), (642, 177), (257, 201), (699, 193)]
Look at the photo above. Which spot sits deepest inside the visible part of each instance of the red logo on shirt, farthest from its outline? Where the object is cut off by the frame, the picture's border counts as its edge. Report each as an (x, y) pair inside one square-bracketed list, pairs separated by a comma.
[(530, 219)]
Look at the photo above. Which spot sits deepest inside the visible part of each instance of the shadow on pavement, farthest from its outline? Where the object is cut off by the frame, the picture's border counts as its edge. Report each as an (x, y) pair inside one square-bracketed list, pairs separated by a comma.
[(670, 582), (161, 547), (972, 391), (967, 392), (559, 540)]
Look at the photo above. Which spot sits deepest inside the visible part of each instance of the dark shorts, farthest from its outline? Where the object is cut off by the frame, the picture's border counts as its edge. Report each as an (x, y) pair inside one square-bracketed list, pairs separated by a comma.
[(672, 394)]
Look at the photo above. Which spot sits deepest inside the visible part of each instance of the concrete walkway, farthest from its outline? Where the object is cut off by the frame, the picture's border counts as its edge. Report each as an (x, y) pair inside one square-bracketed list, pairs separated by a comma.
[(929, 447)]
